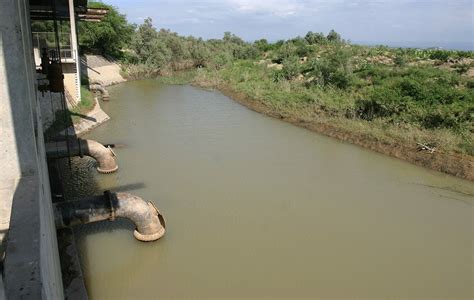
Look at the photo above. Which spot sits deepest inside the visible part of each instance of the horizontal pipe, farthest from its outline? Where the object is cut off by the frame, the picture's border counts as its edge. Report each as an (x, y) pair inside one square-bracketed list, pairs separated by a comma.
[(149, 223), (79, 147)]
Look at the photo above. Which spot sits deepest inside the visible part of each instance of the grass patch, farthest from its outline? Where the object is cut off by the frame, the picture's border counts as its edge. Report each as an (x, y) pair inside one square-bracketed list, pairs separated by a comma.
[(391, 105), (65, 119)]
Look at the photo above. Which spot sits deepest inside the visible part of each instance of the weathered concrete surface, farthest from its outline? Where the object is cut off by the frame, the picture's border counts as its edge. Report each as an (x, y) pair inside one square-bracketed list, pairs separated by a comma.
[(101, 70), (92, 119), (70, 80), (73, 279), (31, 266)]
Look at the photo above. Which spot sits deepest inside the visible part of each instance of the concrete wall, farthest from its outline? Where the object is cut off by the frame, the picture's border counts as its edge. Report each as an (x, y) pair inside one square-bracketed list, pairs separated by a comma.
[(31, 267)]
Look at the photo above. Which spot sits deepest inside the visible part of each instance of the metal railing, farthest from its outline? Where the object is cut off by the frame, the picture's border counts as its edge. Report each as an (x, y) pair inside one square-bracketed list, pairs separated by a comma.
[(47, 40)]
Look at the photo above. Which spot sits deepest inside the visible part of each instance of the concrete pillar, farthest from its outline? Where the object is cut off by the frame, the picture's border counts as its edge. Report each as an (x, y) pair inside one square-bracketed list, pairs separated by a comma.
[(75, 49)]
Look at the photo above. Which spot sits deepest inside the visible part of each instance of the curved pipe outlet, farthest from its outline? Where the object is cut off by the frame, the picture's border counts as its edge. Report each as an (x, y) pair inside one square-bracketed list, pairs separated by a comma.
[(149, 223), (101, 89), (79, 147)]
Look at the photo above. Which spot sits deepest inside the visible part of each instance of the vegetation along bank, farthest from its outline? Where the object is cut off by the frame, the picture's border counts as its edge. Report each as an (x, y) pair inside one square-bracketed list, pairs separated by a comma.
[(416, 105)]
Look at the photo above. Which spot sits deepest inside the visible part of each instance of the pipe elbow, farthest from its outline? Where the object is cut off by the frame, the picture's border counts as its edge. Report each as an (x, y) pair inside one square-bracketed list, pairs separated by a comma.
[(101, 89), (149, 222), (103, 155)]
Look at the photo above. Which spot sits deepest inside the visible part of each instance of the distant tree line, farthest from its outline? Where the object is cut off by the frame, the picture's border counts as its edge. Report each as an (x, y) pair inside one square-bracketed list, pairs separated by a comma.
[(375, 83)]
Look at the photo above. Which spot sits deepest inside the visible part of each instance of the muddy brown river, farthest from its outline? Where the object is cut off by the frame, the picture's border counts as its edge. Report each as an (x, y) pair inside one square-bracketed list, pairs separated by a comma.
[(257, 208)]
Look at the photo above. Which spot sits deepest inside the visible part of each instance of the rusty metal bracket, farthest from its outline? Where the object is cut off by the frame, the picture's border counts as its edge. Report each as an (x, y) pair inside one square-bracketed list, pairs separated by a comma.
[(109, 197)]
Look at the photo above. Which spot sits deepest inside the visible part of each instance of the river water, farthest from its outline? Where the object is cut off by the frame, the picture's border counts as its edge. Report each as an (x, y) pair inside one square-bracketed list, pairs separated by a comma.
[(258, 208)]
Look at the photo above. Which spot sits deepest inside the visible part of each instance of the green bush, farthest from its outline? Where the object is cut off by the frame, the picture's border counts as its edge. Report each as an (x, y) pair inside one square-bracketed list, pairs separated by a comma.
[(332, 69), (291, 69), (333, 36), (286, 51), (440, 55), (430, 97), (110, 36), (314, 38), (400, 61)]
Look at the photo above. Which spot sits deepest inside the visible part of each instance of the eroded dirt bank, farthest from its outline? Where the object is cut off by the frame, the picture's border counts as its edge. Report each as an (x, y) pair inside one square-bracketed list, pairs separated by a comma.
[(459, 165)]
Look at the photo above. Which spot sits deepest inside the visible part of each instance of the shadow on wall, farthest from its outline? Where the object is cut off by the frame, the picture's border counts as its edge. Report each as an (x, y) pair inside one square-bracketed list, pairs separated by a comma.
[(31, 266)]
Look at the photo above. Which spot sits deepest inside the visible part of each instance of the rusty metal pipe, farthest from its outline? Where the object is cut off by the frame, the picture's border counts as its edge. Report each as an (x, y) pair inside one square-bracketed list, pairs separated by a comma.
[(79, 147), (149, 223)]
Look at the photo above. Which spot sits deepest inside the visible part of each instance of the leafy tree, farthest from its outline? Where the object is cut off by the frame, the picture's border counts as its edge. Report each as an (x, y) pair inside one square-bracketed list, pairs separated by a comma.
[(315, 38), (200, 54), (291, 68), (149, 49), (263, 45), (400, 61), (333, 69), (230, 38), (285, 51), (440, 55), (110, 36), (333, 36)]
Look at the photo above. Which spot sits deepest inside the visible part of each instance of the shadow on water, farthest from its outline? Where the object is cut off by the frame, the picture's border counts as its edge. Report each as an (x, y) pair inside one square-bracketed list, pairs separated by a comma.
[(79, 180)]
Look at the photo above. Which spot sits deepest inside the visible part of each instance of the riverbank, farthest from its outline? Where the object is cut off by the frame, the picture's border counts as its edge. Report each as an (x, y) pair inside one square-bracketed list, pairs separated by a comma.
[(424, 148), (459, 165)]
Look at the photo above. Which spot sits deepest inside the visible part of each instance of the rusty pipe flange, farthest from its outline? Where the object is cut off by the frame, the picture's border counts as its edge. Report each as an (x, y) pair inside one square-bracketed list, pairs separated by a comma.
[(104, 171), (149, 237)]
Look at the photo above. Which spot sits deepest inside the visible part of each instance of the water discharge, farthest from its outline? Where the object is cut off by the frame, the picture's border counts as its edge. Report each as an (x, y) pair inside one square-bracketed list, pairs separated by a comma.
[(258, 208)]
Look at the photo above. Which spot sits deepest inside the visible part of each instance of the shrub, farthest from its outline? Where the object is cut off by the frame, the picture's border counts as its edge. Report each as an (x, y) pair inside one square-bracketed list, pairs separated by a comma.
[(315, 38), (400, 61), (426, 96), (461, 68), (440, 55), (333, 36), (291, 69), (285, 51), (332, 69)]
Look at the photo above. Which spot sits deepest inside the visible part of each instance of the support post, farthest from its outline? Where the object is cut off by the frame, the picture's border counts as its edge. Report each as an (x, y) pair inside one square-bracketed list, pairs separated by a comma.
[(75, 49)]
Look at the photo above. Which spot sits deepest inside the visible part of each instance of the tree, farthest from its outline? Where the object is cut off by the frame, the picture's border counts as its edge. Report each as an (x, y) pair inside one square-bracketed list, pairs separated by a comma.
[(334, 69), (262, 45), (333, 36), (315, 38), (150, 50), (231, 38), (286, 50), (110, 36), (200, 54)]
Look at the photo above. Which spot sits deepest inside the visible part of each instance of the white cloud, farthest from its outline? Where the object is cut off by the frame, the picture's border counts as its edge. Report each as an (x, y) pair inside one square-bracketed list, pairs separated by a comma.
[(280, 8)]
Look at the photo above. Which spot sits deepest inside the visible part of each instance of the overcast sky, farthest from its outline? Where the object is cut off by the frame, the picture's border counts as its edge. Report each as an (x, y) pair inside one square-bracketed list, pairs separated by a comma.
[(381, 21)]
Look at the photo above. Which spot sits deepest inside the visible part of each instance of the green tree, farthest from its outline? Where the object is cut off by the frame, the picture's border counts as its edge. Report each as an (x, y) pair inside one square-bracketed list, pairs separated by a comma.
[(315, 38), (110, 36), (149, 49), (333, 69), (333, 36), (263, 45), (231, 38), (200, 54), (285, 51)]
